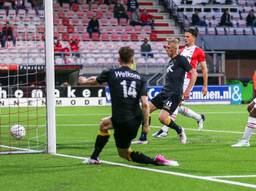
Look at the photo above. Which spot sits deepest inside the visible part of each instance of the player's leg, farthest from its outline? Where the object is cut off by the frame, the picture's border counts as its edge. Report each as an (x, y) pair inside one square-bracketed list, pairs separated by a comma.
[(169, 107), (101, 140), (163, 132), (251, 125), (200, 118), (124, 133)]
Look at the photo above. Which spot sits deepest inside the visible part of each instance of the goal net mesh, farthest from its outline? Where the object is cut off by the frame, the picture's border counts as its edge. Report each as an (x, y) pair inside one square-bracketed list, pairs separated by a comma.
[(22, 101)]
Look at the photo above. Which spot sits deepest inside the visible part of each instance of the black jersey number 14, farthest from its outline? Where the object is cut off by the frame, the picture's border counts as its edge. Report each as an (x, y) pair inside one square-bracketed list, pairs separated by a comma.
[(129, 91)]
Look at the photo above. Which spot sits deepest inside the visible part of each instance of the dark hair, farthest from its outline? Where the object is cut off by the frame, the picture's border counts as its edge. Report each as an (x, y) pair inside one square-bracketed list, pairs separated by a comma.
[(192, 31), (126, 54)]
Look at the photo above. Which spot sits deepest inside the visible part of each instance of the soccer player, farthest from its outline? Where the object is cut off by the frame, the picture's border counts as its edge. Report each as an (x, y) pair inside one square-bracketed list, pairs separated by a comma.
[(195, 56), (251, 124), (172, 93), (127, 90)]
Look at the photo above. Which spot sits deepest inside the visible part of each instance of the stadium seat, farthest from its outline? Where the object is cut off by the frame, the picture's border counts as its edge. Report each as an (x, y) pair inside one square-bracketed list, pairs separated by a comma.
[(220, 30), (105, 37), (95, 36), (201, 30), (134, 37), (115, 37), (211, 31), (123, 21), (125, 37), (85, 36)]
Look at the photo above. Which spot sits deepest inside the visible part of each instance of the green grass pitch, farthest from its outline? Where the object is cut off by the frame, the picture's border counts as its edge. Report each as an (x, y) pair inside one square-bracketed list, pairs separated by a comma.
[(207, 155)]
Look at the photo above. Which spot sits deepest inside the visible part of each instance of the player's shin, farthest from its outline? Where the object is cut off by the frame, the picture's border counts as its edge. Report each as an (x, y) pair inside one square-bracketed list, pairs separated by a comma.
[(141, 158), (101, 141), (251, 124), (170, 123), (189, 113)]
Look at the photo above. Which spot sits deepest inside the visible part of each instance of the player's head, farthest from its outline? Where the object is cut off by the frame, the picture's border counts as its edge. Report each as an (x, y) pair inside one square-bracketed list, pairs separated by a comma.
[(190, 36), (126, 55), (172, 47)]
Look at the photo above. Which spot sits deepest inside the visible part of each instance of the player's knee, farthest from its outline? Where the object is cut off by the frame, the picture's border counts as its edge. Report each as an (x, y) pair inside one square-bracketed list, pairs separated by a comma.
[(104, 132), (164, 119), (123, 153)]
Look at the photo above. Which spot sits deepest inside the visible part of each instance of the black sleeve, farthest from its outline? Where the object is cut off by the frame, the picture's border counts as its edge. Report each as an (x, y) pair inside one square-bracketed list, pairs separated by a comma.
[(103, 77), (185, 64)]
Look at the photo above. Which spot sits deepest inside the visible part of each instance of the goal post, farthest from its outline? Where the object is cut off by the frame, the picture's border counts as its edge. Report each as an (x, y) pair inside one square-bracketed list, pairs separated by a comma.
[(50, 81)]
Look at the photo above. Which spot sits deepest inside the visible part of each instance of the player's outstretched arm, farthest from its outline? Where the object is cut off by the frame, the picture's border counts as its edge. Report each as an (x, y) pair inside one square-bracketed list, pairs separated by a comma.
[(205, 77), (191, 83), (145, 112), (87, 81)]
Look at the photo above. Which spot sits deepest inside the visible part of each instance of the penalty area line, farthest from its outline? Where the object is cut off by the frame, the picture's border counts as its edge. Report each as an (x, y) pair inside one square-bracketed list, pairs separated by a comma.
[(166, 172)]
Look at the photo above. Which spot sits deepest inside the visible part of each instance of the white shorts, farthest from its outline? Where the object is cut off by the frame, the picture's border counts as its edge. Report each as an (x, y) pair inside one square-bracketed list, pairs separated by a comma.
[(254, 103)]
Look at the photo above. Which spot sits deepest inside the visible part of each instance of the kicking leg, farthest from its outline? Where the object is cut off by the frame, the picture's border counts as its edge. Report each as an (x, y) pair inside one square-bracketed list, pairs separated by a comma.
[(165, 119), (163, 132)]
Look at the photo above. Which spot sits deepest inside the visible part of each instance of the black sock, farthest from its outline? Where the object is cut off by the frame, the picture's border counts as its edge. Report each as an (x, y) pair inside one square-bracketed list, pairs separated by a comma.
[(143, 136), (100, 142), (174, 126), (141, 158)]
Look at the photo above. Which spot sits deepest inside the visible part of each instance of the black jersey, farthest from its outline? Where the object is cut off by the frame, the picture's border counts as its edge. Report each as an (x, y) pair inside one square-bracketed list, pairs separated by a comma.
[(175, 74), (126, 87)]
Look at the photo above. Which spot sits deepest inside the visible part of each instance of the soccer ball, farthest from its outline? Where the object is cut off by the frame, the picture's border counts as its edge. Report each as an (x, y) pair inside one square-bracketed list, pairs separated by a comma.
[(18, 131)]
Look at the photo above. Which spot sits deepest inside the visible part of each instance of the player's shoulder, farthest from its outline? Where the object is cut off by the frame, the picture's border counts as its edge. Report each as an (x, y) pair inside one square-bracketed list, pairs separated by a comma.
[(181, 58), (199, 50)]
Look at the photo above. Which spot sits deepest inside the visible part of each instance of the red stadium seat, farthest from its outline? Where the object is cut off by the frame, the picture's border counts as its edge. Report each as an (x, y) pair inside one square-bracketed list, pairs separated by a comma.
[(123, 21), (65, 37), (134, 37), (95, 36), (105, 37), (85, 36), (115, 37), (153, 37), (128, 29), (125, 37)]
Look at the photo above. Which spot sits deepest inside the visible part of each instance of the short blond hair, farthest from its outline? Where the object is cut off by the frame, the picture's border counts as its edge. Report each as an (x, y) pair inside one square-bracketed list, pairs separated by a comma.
[(174, 41)]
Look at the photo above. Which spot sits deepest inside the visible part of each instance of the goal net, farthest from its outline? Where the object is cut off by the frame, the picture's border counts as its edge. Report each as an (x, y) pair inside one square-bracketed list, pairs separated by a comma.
[(27, 108), (22, 103)]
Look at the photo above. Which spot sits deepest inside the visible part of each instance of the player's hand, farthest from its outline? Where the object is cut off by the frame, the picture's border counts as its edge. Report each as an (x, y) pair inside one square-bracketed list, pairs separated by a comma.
[(91, 79), (204, 90), (186, 95)]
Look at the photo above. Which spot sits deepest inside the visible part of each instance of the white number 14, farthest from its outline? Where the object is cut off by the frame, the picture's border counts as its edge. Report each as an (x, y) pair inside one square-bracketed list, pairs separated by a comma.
[(129, 91)]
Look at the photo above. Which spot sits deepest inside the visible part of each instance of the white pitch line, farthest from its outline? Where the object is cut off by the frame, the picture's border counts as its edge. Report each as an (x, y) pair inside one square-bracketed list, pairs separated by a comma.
[(167, 172), (106, 114), (233, 176), (158, 127)]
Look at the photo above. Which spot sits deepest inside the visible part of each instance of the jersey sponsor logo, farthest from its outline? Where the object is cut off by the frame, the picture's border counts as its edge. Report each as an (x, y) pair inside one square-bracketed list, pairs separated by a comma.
[(121, 74), (169, 68)]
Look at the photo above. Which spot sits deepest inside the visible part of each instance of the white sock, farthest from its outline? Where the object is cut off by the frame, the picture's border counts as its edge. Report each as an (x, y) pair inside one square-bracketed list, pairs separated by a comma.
[(189, 113), (251, 124), (165, 128)]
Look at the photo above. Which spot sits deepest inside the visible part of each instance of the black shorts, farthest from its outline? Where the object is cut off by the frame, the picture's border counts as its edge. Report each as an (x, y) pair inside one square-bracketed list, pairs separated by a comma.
[(125, 132), (168, 102)]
